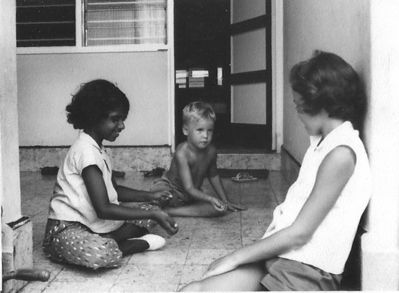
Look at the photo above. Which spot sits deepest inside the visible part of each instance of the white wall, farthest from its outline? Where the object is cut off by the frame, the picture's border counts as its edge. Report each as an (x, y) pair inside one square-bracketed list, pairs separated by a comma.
[(10, 195), (337, 26), (380, 256), (46, 82)]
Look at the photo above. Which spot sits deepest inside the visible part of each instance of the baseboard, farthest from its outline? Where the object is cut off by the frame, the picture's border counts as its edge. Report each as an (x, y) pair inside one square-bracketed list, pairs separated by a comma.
[(269, 161), (144, 158), (289, 166), (137, 158)]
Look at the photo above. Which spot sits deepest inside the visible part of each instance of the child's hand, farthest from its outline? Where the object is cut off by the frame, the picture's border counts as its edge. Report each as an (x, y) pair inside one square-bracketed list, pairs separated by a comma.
[(166, 221), (218, 205), (235, 207), (161, 198)]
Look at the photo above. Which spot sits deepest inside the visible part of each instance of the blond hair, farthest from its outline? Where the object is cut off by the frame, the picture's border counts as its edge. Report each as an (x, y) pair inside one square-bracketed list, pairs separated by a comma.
[(197, 110)]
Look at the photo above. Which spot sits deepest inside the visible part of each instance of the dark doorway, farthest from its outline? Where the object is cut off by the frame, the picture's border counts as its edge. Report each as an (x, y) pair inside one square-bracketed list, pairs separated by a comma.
[(203, 33)]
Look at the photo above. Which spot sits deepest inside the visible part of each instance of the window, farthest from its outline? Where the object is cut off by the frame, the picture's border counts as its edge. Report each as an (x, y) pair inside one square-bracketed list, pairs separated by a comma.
[(42, 23), (125, 22), (91, 23)]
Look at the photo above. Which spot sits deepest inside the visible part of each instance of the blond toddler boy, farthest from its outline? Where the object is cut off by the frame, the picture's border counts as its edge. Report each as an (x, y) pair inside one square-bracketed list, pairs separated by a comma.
[(193, 161)]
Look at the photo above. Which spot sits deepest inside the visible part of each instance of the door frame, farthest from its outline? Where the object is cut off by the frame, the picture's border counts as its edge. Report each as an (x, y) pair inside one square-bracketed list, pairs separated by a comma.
[(250, 77), (277, 42), (171, 75)]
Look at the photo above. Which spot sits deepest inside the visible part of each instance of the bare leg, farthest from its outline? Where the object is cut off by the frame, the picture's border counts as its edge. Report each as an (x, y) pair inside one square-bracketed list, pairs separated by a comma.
[(126, 245), (201, 209), (133, 246), (244, 278), (128, 230)]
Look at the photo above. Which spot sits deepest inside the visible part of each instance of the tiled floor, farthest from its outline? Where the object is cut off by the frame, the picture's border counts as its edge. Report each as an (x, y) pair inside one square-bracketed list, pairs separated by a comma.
[(183, 259)]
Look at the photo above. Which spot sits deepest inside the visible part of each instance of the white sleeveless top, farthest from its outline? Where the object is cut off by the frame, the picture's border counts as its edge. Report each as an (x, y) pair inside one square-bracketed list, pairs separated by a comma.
[(71, 201), (329, 247)]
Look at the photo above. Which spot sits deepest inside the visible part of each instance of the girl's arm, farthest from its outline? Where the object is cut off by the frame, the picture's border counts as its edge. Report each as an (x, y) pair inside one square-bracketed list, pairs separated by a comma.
[(332, 176), (217, 185), (94, 182), (195, 193), (127, 194)]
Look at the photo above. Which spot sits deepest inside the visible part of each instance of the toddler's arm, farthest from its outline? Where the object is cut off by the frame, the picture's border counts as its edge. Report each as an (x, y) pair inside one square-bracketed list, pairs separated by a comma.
[(97, 191), (333, 174), (217, 185)]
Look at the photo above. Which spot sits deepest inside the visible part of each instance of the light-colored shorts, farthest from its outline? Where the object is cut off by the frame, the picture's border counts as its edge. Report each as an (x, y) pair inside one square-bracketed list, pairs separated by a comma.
[(289, 275), (179, 197)]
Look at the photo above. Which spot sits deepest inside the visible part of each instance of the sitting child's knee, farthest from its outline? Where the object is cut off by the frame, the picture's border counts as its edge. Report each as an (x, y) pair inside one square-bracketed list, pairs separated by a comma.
[(106, 255)]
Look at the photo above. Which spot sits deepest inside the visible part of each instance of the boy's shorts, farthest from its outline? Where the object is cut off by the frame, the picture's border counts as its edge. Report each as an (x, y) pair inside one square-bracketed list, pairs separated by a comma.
[(179, 198), (289, 275)]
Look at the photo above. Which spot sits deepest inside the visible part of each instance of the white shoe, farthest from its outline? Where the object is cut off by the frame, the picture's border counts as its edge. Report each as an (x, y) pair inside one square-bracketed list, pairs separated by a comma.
[(154, 241)]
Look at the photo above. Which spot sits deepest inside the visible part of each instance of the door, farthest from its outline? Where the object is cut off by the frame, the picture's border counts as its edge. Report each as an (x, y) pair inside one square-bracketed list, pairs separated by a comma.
[(250, 79), (202, 60), (222, 56)]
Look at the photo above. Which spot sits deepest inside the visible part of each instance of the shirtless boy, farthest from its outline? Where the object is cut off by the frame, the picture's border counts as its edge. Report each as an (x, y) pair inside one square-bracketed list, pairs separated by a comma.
[(193, 161)]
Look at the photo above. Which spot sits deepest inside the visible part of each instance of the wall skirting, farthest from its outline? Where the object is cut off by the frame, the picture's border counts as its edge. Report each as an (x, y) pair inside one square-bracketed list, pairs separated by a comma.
[(123, 158), (289, 166), (270, 161), (143, 158)]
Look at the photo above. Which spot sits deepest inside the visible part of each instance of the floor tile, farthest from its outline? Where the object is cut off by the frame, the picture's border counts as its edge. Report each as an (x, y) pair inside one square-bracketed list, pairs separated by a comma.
[(186, 255), (205, 256), (192, 273), (152, 277), (167, 255), (217, 240), (97, 286)]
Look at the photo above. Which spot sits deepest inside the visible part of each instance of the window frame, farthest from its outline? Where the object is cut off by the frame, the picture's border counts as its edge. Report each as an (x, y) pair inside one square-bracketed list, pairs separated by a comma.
[(80, 48)]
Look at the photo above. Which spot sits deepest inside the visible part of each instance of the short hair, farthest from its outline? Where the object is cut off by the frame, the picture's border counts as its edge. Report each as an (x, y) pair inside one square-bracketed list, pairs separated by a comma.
[(93, 102), (326, 81), (197, 110)]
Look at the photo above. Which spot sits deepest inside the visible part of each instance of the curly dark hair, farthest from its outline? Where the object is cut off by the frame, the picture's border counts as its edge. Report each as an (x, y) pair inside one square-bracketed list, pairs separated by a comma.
[(328, 82), (93, 102)]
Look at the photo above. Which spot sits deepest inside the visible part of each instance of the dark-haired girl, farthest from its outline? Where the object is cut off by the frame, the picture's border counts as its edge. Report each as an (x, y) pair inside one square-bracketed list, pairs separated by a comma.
[(308, 242), (88, 222)]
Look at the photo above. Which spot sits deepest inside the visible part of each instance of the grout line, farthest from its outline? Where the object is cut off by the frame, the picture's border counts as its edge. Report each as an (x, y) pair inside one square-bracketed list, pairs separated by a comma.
[(186, 259), (53, 280)]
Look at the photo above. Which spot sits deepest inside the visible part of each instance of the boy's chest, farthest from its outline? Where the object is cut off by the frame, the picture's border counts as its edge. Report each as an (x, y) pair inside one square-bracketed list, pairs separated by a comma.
[(199, 165)]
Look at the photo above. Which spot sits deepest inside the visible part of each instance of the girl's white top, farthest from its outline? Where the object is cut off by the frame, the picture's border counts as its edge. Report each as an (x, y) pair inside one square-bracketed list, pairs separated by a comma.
[(71, 201), (329, 247)]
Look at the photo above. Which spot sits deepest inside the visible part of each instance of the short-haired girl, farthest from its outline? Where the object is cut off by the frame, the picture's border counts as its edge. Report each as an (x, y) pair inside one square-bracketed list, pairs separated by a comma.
[(311, 234), (88, 223)]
